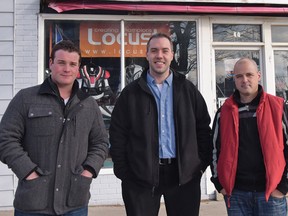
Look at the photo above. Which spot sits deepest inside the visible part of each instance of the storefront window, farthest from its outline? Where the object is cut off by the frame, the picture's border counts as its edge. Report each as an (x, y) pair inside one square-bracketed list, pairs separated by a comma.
[(279, 33), (100, 44), (236, 33), (281, 73)]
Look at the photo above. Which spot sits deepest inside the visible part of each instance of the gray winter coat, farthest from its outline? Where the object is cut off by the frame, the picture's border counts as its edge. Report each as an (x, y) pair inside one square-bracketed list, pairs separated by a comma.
[(39, 133)]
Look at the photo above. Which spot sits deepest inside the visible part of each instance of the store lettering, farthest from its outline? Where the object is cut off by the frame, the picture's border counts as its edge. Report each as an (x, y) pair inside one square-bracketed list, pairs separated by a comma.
[(111, 38)]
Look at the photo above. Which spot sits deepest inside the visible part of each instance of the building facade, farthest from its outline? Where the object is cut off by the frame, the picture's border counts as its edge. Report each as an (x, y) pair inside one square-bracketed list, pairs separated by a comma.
[(208, 38)]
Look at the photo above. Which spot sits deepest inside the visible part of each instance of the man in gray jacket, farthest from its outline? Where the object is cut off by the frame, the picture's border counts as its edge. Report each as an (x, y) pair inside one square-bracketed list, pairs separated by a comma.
[(53, 138)]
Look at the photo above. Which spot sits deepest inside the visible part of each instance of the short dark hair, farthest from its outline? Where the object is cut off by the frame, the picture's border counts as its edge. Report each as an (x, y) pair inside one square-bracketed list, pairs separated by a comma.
[(65, 45), (159, 35)]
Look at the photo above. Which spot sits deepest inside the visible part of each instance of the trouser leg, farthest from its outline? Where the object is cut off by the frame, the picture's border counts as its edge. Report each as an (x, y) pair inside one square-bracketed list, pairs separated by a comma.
[(184, 200), (139, 201)]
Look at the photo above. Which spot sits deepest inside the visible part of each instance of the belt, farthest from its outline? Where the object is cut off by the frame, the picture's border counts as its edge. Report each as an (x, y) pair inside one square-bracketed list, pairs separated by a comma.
[(167, 161)]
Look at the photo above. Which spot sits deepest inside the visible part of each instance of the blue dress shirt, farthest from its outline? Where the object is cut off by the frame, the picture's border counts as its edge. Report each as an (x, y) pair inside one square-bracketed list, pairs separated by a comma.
[(163, 94)]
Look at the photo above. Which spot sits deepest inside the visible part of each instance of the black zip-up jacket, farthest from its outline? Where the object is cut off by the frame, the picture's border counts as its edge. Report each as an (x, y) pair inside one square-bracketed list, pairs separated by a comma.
[(134, 132)]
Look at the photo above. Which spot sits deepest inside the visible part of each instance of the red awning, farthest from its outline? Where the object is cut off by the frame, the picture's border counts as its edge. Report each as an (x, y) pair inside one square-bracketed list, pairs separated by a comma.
[(66, 6)]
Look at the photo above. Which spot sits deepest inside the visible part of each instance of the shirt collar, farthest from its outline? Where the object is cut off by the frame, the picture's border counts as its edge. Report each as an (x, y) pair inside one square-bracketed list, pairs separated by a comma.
[(151, 80)]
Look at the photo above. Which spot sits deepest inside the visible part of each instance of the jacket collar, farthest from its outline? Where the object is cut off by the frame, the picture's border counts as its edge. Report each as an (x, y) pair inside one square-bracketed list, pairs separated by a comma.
[(255, 101), (49, 87)]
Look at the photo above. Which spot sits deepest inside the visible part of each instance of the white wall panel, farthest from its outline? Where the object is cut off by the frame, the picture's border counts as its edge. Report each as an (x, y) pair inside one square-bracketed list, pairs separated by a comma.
[(4, 170), (6, 5), (6, 198), (6, 77), (3, 107), (6, 91), (6, 182), (6, 33), (6, 48), (6, 19), (6, 62)]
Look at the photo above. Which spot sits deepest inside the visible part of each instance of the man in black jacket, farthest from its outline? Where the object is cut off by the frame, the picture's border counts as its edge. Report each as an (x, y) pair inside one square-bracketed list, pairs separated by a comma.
[(160, 138)]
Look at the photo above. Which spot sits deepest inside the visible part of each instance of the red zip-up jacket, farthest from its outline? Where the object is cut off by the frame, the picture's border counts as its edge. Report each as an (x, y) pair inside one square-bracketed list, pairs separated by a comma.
[(269, 121)]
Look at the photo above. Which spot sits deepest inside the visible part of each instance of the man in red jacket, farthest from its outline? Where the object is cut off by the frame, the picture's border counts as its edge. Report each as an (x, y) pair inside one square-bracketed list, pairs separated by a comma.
[(250, 151)]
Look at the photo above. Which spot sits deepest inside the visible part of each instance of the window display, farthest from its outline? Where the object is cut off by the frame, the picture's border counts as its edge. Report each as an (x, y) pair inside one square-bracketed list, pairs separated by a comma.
[(100, 44)]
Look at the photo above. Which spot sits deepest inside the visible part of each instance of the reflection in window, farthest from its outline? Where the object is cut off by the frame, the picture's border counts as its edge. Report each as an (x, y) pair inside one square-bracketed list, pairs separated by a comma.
[(237, 33), (279, 33), (224, 64), (281, 73)]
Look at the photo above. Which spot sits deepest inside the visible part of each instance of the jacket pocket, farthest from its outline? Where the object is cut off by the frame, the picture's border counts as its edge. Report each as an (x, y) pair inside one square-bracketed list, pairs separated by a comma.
[(32, 194), (79, 194), (39, 118)]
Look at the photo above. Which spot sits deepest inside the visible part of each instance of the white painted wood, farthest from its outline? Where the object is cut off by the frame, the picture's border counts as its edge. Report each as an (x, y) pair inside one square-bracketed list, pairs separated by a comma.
[(6, 91), (6, 48), (6, 62), (6, 19), (6, 33), (6, 77), (6, 182), (6, 6)]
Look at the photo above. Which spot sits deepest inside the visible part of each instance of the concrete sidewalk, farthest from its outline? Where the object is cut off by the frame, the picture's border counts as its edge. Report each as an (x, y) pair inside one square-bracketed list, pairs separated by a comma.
[(207, 208)]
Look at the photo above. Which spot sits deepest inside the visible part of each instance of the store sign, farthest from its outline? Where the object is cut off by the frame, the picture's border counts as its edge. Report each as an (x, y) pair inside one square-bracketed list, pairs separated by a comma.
[(103, 39)]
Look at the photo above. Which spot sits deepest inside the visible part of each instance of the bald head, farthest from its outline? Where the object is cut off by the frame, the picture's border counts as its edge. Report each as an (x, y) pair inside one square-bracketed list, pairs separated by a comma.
[(245, 60)]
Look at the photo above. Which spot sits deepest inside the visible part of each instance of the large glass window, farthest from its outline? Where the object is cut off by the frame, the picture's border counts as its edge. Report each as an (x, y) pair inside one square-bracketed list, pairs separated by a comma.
[(281, 73), (100, 44), (279, 33), (237, 33)]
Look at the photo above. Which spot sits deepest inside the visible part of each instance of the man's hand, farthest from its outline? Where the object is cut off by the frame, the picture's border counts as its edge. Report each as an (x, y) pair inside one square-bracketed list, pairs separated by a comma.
[(223, 192), (276, 193), (87, 174), (32, 176)]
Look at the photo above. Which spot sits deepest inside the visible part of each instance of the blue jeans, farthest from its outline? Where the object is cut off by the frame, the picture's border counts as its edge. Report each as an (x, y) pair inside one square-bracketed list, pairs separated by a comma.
[(77, 212), (243, 203)]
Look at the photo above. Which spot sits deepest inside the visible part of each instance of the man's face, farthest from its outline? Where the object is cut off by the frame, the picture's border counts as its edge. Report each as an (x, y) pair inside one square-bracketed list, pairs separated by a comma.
[(246, 77), (159, 55), (64, 68)]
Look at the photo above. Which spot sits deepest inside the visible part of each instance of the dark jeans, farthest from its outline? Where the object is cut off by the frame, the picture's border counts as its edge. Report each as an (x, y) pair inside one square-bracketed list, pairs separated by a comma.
[(78, 212), (181, 200), (244, 203)]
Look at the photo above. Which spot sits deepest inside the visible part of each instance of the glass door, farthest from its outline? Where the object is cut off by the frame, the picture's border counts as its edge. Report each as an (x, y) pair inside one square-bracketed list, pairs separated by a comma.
[(232, 42), (281, 73)]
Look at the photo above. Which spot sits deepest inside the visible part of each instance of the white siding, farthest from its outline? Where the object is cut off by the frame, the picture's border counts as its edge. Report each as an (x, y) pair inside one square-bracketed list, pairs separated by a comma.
[(6, 77), (6, 48), (6, 89), (3, 106), (7, 6), (6, 19)]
